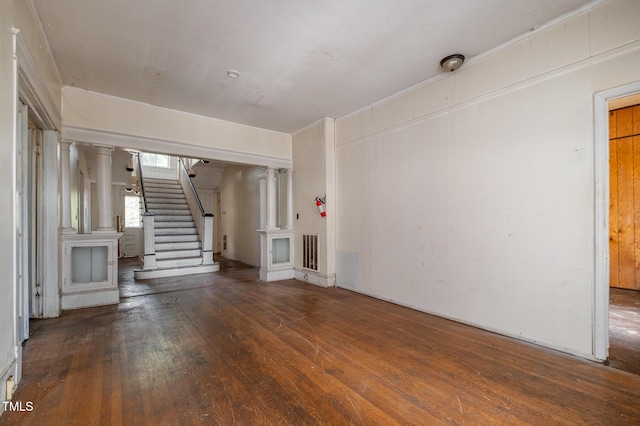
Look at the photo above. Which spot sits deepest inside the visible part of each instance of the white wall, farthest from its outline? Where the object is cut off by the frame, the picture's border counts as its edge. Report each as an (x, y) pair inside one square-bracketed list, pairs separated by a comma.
[(240, 199), (314, 176), (94, 117), (472, 196)]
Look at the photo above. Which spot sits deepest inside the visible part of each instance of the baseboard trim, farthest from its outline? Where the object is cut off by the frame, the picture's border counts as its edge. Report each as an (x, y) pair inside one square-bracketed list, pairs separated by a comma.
[(316, 278)]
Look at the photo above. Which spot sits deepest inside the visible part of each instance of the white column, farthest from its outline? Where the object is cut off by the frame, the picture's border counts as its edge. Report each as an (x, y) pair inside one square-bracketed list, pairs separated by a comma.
[(271, 198), (65, 187), (263, 201), (289, 174), (103, 189)]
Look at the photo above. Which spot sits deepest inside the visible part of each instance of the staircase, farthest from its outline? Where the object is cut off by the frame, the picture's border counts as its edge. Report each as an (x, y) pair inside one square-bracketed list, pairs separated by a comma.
[(178, 249)]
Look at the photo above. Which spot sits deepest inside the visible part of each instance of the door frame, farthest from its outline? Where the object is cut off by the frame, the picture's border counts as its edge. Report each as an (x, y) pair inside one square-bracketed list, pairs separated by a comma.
[(600, 345)]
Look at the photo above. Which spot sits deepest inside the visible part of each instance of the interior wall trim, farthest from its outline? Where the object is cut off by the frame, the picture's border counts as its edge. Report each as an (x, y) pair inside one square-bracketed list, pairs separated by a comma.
[(33, 89), (610, 55), (119, 140)]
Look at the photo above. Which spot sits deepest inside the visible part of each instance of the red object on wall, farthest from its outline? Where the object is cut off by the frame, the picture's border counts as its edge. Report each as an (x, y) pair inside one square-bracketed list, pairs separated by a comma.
[(320, 205)]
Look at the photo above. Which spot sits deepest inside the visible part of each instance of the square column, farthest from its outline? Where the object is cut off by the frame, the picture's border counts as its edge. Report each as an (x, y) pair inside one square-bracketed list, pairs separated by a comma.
[(103, 189), (65, 187), (289, 176), (271, 199)]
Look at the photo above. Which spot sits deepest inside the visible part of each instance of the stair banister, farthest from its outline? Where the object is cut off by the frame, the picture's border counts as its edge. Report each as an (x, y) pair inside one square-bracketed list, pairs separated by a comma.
[(144, 195), (204, 221)]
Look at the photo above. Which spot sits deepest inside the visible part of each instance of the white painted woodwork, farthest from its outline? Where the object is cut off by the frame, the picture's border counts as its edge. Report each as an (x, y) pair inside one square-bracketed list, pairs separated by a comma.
[(101, 119), (149, 259), (209, 198), (23, 225), (276, 254), (262, 181), (173, 243), (48, 239), (289, 183), (89, 270), (103, 189), (131, 242), (65, 187), (474, 193), (10, 359), (271, 198), (603, 102)]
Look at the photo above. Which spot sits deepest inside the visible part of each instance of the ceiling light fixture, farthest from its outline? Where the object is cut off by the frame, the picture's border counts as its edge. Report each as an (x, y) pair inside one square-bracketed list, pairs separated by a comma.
[(452, 62), (233, 73)]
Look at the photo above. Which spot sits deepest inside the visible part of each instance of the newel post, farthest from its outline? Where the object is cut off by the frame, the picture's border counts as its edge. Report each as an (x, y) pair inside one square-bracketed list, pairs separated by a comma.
[(207, 241), (148, 222)]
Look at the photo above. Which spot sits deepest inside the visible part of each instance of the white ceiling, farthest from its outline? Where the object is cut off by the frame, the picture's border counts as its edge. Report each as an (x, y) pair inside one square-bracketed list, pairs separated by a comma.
[(299, 60)]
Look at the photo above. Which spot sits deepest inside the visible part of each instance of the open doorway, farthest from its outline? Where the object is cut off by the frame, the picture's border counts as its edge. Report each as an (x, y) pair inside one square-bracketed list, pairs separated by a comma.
[(624, 233), (603, 102)]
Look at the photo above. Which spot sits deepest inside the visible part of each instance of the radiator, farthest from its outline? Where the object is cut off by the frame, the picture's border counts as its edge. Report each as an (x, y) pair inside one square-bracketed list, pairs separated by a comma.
[(310, 251)]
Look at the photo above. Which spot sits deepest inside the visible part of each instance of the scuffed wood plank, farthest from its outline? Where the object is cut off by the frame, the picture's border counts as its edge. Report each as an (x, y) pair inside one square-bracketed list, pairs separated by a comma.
[(225, 348)]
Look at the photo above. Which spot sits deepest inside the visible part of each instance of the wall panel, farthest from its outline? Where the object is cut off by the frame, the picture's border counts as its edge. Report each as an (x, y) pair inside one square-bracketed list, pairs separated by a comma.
[(482, 210)]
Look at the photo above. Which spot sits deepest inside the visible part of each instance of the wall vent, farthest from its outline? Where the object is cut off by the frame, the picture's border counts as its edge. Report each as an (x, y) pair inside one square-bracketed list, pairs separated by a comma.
[(310, 251)]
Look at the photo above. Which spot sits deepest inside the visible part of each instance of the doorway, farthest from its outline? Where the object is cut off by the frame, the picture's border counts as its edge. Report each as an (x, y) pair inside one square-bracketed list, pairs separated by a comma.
[(603, 102), (624, 235)]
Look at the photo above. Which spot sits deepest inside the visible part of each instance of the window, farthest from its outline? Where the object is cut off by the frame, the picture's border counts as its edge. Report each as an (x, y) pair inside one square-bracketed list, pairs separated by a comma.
[(154, 160), (131, 211)]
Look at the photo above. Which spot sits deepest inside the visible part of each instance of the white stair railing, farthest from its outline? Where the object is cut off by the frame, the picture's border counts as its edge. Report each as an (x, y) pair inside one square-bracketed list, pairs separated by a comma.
[(204, 221)]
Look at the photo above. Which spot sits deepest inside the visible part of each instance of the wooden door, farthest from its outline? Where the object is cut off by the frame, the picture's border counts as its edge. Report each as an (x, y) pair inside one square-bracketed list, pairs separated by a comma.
[(624, 213)]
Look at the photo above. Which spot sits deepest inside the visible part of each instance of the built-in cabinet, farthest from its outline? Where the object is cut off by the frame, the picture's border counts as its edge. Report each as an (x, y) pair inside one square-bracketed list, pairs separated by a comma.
[(89, 270), (624, 213)]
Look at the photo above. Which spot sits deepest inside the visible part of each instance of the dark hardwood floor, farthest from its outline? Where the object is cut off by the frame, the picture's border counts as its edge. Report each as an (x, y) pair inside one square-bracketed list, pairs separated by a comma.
[(624, 330), (226, 349)]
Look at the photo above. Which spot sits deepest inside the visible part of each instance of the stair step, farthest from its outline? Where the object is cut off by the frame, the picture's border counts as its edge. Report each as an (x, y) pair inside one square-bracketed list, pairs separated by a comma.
[(170, 212), (177, 245), (152, 185), (176, 271), (159, 239), (177, 254), (175, 231), (178, 262), (173, 218), (159, 180), (168, 183), (174, 224), (155, 200), (162, 194), (162, 207)]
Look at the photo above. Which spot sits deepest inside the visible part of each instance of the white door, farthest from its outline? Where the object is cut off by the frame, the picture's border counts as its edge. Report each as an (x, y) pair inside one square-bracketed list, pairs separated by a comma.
[(131, 241)]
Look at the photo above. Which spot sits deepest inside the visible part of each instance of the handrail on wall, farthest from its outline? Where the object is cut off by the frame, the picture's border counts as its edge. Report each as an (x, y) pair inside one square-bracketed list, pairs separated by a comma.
[(193, 188), (144, 195)]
